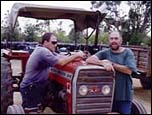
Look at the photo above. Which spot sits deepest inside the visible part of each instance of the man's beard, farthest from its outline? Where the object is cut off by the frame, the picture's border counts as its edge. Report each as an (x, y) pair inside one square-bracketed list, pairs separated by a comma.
[(114, 46)]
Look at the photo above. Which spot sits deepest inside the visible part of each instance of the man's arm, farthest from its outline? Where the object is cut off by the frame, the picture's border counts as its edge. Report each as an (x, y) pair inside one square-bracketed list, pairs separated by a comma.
[(94, 60), (105, 63), (122, 68), (130, 64), (64, 60)]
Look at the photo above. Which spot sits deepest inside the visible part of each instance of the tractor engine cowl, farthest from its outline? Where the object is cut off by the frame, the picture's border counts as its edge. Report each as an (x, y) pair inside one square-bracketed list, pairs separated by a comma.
[(82, 88)]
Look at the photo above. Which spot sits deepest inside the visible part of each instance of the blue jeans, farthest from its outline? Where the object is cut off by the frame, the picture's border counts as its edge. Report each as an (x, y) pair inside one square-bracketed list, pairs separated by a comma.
[(122, 107), (33, 95)]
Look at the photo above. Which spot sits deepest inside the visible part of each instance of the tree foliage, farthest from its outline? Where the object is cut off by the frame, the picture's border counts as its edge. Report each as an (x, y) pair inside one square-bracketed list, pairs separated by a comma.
[(140, 16), (75, 36), (44, 26), (113, 13), (61, 35), (6, 33), (32, 32), (138, 23), (134, 26)]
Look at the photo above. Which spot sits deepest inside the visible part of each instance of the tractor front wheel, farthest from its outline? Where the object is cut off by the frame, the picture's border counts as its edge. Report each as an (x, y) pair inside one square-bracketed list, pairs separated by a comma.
[(137, 108)]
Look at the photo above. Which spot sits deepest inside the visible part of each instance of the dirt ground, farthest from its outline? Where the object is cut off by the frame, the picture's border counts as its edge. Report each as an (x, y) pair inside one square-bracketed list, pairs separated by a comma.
[(143, 96)]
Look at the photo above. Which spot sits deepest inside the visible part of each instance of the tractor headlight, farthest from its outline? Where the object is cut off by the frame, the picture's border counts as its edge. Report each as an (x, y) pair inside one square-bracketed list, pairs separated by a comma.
[(83, 90), (106, 89)]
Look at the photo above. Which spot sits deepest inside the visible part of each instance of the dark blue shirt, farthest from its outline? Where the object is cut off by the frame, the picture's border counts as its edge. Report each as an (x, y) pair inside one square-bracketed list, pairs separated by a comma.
[(123, 82), (38, 65)]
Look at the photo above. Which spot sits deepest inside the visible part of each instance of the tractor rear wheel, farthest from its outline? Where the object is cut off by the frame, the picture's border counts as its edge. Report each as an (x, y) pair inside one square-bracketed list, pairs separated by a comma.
[(6, 85)]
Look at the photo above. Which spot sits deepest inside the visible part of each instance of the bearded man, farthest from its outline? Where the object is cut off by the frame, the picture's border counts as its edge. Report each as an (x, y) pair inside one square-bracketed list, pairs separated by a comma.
[(121, 60)]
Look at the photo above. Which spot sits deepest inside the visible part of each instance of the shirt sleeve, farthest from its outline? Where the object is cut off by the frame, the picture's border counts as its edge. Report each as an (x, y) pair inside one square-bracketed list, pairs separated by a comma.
[(49, 58), (102, 54), (130, 60)]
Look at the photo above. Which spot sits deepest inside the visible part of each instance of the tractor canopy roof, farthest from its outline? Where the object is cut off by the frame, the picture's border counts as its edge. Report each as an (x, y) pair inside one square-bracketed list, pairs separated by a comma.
[(82, 18)]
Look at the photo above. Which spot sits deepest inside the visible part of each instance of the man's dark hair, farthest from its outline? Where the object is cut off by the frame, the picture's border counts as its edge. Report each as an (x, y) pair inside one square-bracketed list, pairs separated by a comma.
[(46, 37)]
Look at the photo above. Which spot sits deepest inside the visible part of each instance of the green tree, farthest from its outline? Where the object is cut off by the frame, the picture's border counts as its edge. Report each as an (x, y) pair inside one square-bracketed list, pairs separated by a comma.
[(61, 35), (138, 21), (17, 35), (136, 39), (138, 24), (103, 38), (74, 36), (147, 41), (31, 32), (4, 27), (6, 33), (113, 14), (44, 25)]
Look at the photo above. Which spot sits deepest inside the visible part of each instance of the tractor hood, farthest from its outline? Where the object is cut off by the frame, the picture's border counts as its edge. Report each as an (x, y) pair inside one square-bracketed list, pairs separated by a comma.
[(82, 18)]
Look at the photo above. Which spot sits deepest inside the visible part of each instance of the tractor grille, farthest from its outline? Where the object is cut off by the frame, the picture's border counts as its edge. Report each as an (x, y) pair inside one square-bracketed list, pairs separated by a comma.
[(94, 102)]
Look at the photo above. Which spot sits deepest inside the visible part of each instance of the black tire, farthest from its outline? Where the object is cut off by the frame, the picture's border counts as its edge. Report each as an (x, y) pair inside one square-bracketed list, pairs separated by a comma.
[(6, 85), (137, 108)]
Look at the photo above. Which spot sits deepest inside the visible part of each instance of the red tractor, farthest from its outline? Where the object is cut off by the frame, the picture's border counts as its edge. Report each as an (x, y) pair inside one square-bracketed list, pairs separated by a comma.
[(76, 88)]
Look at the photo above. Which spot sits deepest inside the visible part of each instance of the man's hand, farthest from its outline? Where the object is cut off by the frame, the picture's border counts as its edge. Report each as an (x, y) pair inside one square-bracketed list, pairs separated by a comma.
[(80, 54), (107, 65)]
